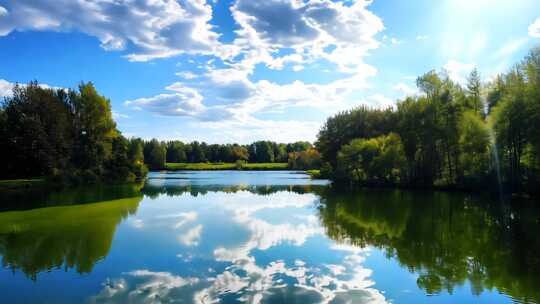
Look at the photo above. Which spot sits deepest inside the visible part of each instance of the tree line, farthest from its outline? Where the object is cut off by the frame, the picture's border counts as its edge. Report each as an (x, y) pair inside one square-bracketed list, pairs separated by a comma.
[(299, 155), (71, 136), (449, 135), (68, 135)]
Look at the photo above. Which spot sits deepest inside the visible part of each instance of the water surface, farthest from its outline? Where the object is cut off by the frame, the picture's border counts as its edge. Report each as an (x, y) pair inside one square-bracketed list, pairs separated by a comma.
[(264, 237)]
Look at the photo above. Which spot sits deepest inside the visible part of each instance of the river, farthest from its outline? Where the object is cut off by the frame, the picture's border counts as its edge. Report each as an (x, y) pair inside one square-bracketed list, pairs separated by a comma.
[(264, 237)]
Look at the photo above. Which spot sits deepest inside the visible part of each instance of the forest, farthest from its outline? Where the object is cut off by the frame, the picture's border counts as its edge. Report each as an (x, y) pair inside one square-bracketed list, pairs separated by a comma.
[(70, 136), (472, 136), (298, 155)]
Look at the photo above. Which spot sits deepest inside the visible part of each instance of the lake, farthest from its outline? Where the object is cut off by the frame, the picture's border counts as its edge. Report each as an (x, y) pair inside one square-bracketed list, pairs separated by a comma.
[(264, 237)]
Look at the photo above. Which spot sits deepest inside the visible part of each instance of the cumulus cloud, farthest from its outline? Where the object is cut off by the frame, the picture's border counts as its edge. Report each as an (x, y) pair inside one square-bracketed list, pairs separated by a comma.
[(406, 90), (534, 29), (228, 97), (118, 115), (145, 286), (155, 28), (184, 218), (308, 28), (6, 88), (458, 71), (187, 75), (191, 237), (184, 101)]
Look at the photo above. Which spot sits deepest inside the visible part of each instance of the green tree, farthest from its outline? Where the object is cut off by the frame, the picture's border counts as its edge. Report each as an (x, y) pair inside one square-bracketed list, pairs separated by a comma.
[(69, 136), (510, 125), (176, 152), (155, 154), (261, 152), (474, 88), (474, 144), (197, 153), (372, 161), (95, 128)]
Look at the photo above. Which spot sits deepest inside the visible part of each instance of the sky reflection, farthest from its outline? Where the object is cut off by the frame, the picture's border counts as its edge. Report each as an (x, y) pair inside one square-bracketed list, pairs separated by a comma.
[(279, 276)]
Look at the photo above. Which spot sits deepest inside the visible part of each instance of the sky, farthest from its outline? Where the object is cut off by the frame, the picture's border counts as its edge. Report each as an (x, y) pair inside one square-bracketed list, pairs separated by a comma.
[(224, 71)]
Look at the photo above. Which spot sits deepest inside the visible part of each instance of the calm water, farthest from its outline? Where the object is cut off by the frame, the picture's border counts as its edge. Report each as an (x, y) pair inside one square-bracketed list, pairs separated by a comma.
[(264, 237)]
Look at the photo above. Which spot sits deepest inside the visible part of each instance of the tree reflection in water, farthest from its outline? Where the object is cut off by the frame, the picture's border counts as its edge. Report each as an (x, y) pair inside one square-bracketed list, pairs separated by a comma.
[(447, 238), (70, 237)]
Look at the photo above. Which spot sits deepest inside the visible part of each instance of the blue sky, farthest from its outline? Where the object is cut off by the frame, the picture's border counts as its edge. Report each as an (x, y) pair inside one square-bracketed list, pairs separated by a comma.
[(243, 70)]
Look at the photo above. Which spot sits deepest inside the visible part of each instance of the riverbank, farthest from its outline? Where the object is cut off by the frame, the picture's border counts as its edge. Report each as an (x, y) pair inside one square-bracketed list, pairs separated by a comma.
[(16, 184), (225, 166)]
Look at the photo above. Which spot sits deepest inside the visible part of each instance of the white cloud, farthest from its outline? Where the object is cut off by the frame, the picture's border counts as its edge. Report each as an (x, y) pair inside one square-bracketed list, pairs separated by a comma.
[(192, 237), (155, 29), (458, 71), (308, 28), (396, 41), (142, 286), (184, 102), (251, 129), (184, 218), (422, 37), (227, 100), (118, 115), (298, 68), (187, 75), (292, 23), (6, 88), (534, 29), (405, 89), (278, 63)]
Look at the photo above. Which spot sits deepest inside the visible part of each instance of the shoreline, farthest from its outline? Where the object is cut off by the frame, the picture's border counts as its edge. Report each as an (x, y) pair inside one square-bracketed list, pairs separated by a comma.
[(225, 167)]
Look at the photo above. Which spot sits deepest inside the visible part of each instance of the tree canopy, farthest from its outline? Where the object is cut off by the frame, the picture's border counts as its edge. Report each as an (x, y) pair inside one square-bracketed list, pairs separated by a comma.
[(69, 135), (448, 135)]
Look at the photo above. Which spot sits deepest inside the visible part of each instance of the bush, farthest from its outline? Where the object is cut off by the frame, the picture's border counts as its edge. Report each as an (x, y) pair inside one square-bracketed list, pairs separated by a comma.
[(240, 164)]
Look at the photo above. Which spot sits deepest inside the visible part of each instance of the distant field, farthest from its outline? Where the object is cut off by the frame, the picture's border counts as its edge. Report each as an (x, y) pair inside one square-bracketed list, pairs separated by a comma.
[(226, 166)]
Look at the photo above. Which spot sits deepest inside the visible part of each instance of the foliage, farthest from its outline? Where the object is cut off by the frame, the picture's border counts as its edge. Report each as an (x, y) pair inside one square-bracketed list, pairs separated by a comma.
[(448, 136), (305, 160), (66, 135), (155, 154), (346, 126), (377, 160), (474, 143), (200, 152)]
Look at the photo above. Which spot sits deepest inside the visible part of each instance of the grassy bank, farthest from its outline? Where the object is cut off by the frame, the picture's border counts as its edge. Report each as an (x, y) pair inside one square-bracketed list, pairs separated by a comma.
[(225, 166), (10, 184), (316, 174)]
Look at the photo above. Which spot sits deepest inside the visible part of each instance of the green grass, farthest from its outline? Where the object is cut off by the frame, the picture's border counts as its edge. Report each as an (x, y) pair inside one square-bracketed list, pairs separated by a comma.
[(225, 166), (314, 173)]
